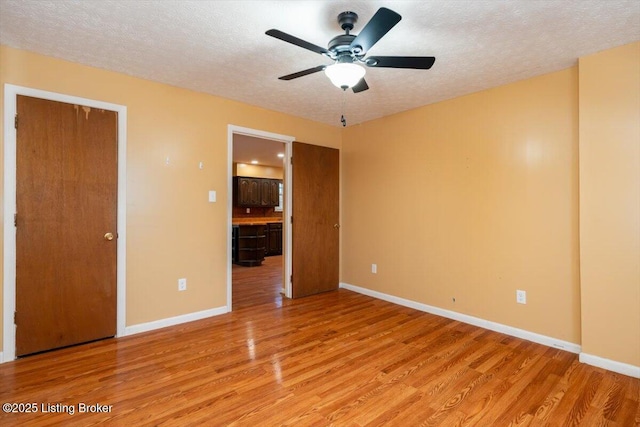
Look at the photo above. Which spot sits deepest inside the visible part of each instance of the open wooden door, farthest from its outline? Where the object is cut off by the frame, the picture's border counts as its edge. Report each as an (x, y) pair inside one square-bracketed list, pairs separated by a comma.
[(66, 199), (315, 228)]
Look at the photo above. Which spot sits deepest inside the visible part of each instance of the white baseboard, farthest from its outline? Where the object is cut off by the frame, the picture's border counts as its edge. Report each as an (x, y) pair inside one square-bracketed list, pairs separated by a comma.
[(476, 321), (171, 321), (610, 365), (1, 357)]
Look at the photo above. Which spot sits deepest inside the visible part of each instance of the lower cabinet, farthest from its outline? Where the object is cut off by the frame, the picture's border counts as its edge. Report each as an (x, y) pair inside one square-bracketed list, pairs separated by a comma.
[(234, 243), (250, 244), (274, 239)]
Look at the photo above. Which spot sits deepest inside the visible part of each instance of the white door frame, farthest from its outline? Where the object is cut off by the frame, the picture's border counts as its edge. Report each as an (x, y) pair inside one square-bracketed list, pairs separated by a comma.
[(286, 212), (11, 93)]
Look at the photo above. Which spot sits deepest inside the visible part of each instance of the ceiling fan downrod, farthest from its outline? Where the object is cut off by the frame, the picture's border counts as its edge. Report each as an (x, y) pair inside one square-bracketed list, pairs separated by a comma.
[(347, 20)]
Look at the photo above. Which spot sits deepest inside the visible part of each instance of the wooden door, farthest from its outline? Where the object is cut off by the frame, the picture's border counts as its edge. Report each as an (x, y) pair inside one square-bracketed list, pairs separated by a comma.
[(66, 198), (315, 228)]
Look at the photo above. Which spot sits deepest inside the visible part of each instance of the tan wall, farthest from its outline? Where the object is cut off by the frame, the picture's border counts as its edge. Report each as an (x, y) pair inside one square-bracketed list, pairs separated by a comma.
[(610, 203), (172, 231), (478, 197), (257, 171)]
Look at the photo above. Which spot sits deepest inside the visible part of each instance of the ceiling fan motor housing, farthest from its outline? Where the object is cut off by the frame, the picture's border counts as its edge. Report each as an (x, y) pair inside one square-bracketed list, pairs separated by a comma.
[(341, 43)]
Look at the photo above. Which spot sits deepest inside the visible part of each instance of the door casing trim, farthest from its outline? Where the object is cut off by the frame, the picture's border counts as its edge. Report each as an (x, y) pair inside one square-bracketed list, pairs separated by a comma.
[(11, 93), (286, 212)]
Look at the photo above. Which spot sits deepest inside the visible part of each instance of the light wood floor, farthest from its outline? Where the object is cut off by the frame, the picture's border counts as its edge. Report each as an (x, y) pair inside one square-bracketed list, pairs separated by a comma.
[(338, 358), (254, 286)]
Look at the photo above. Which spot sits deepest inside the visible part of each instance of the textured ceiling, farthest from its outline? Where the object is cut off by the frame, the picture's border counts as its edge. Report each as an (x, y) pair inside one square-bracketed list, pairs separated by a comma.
[(219, 47)]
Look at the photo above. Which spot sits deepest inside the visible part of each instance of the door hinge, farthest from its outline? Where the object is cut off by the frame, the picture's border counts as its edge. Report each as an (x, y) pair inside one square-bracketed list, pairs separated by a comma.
[(291, 278), (15, 121), (291, 219), (291, 159), (15, 219), (15, 317)]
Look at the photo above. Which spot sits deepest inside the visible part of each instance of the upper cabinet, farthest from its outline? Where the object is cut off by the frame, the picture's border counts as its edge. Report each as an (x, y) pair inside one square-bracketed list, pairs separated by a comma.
[(272, 195), (247, 191), (256, 192)]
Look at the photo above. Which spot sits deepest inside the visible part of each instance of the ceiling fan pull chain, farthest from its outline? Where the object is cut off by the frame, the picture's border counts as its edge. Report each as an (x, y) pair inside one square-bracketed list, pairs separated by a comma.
[(342, 119)]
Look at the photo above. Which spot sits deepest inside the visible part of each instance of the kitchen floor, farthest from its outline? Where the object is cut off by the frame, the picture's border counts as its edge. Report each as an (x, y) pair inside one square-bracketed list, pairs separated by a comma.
[(254, 286)]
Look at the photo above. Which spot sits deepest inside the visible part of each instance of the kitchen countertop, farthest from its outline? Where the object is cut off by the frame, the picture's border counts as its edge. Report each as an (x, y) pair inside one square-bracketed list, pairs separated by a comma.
[(255, 221)]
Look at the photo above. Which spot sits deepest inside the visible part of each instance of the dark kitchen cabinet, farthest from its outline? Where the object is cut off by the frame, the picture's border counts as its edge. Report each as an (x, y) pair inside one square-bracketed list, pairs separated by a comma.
[(234, 243), (271, 192), (255, 192), (251, 244), (274, 238), (247, 191)]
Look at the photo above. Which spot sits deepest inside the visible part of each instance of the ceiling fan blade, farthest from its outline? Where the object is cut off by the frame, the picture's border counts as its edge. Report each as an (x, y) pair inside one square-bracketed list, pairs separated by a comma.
[(417, 62), (303, 73), (384, 20), (298, 42), (361, 86)]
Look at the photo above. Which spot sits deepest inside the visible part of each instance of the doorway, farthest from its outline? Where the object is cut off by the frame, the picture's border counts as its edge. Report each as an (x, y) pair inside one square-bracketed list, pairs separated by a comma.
[(311, 255), (276, 268), (257, 221), (10, 190)]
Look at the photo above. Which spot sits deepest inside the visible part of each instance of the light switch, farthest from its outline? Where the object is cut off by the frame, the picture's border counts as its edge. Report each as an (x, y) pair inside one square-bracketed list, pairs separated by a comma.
[(212, 196)]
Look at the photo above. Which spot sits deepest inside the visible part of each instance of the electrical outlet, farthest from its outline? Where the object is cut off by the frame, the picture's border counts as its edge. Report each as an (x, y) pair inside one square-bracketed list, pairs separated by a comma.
[(182, 284), (248, 210), (374, 268), (521, 297)]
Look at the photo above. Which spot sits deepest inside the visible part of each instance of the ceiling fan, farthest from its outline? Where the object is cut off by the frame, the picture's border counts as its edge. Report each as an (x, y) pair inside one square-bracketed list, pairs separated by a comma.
[(349, 51)]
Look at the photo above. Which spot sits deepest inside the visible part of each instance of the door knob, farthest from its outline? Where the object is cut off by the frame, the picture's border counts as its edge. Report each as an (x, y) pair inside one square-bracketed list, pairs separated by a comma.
[(108, 236), (336, 225)]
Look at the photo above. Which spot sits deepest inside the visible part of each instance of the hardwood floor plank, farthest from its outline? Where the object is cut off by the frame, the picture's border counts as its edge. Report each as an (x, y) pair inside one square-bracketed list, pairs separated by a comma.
[(390, 399), (338, 358)]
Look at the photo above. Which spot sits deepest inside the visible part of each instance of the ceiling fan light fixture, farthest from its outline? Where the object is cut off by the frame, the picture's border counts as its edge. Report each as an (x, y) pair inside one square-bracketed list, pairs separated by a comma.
[(345, 74)]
